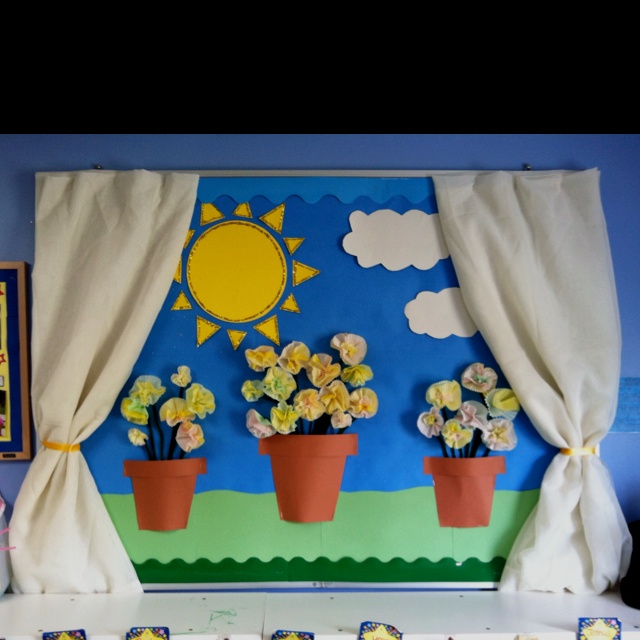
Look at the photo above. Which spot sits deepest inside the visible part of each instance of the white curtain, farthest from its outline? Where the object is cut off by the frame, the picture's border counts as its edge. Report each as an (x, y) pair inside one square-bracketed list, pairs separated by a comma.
[(107, 247), (5, 566), (532, 257)]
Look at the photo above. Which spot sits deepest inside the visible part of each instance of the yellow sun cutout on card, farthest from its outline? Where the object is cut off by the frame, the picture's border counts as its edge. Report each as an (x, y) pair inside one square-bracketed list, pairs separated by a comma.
[(237, 272)]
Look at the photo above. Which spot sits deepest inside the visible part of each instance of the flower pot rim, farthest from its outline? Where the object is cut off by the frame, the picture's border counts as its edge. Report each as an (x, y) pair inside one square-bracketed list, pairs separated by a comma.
[(154, 468), (437, 465), (332, 444)]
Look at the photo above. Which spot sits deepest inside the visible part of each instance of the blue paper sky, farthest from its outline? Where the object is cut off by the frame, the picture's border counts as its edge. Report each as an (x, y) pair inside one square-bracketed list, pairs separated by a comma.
[(343, 297)]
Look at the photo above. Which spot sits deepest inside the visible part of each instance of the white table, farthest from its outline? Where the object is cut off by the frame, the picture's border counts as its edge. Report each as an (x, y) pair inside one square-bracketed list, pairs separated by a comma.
[(216, 615)]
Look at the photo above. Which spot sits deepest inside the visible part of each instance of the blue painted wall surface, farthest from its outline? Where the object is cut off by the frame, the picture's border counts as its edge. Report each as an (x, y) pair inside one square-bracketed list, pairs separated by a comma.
[(616, 155)]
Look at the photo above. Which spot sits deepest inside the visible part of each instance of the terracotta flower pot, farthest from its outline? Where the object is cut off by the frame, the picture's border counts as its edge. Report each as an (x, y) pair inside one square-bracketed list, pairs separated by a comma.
[(307, 473), (163, 491), (464, 488)]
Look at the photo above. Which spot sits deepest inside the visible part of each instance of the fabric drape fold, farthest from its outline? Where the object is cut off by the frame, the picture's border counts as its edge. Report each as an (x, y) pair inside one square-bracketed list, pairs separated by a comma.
[(107, 247), (532, 257)]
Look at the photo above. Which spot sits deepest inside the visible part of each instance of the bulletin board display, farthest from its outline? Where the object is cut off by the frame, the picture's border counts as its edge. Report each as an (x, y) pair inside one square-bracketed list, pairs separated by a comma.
[(15, 417), (273, 259)]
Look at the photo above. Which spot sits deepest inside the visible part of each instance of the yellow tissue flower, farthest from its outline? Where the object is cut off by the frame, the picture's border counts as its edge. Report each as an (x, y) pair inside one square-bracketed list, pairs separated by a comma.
[(137, 438), (321, 369), (284, 417), (335, 396), (178, 411), (308, 404), (147, 390), (357, 375), (261, 358), (446, 393), (456, 435), (182, 378), (278, 384), (502, 403), (134, 411), (200, 400), (294, 357), (363, 403), (327, 395), (252, 390), (352, 348), (470, 432), (341, 420)]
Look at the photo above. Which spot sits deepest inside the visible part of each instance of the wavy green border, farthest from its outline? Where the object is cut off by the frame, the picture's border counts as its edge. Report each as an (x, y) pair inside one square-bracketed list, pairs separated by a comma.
[(320, 570)]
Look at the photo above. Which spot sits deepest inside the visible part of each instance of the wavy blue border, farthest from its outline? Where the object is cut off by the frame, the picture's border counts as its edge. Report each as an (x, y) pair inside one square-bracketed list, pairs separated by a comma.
[(312, 189)]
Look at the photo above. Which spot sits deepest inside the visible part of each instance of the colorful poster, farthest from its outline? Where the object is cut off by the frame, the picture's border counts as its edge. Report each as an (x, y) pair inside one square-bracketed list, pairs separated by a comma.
[(15, 425), (5, 422)]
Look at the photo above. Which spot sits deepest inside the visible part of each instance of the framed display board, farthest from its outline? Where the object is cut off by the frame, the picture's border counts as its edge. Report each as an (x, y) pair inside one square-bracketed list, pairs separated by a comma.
[(273, 259), (15, 415)]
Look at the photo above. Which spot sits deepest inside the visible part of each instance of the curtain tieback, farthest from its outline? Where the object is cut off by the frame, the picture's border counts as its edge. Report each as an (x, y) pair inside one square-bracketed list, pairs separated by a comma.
[(61, 446), (579, 451)]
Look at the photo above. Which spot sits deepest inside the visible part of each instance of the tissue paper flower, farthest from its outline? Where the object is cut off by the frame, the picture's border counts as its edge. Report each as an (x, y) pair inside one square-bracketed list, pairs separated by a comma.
[(178, 412), (326, 399), (474, 423)]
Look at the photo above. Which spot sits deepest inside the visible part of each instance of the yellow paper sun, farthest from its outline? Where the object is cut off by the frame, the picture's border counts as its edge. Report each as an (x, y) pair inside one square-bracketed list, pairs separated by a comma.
[(237, 272)]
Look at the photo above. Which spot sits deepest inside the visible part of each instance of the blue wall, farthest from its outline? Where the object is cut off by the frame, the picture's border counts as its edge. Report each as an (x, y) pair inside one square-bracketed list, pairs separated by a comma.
[(616, 155)]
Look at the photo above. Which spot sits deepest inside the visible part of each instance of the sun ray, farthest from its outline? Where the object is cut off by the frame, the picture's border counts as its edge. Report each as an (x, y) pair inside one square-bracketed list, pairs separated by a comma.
[(188, 238), (243, 210), (181, 303), (290, 304), (293, 244), (303, 272), (209, 213), (274, 218), (236, 337), (204, 330), (269, 329)]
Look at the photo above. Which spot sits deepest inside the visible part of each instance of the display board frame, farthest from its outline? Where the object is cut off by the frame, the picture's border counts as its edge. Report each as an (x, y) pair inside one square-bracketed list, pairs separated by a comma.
[(313, 559)]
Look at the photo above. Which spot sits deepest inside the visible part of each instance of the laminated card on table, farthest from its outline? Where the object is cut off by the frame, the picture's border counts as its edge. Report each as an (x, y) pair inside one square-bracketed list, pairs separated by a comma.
[(599, 629), (378, 631), (281, 634), (148, 633), (72, 634)]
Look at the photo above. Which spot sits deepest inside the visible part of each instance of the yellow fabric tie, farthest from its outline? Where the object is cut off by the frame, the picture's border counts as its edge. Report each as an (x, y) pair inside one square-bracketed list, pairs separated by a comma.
[(61, 446), (579, 451)]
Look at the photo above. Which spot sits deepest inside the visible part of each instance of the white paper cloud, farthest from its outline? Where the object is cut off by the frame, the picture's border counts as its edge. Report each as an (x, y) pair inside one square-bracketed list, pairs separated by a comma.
[(440, 315), (396, 241)]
